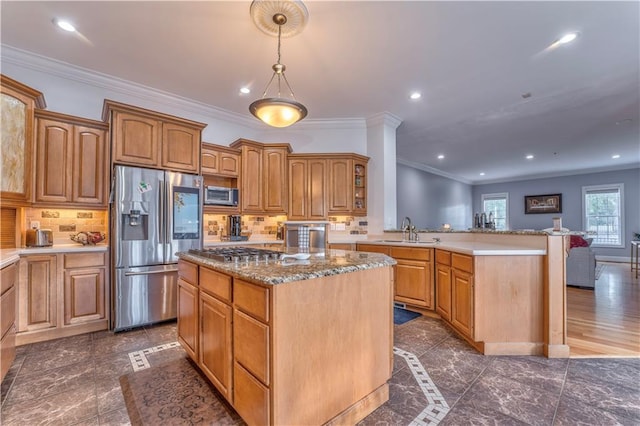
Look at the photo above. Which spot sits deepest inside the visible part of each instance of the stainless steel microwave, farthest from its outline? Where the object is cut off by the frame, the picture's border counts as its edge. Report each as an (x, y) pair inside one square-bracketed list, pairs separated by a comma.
[(220, 196)]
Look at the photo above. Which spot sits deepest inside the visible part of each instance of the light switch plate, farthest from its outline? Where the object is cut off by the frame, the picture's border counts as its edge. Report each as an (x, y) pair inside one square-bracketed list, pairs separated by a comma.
[(340, 227)]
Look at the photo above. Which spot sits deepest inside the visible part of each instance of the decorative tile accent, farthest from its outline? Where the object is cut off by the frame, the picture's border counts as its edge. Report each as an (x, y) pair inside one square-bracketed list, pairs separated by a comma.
[(139, 358), (67, 228), (437, 408), (50, 214), (84, 215)]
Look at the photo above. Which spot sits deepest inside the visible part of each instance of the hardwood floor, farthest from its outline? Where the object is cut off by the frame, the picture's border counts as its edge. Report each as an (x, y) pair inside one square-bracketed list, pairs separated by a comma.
[(605, 322)]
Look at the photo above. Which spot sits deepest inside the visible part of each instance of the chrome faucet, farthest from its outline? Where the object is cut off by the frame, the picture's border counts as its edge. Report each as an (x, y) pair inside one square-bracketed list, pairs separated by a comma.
[(406, 226)]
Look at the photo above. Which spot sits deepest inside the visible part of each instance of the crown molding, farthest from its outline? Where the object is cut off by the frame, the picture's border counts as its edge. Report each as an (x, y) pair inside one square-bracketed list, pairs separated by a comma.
[(432, 171), (385, 118), (561, 174), (46, 65)]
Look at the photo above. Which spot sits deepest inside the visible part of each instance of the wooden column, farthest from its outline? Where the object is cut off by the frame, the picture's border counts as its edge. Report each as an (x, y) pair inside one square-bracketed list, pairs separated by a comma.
[(555, 302)]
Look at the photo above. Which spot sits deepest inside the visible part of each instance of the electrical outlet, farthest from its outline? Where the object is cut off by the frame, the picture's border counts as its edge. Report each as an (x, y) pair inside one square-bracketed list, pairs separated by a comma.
[(35, 224)]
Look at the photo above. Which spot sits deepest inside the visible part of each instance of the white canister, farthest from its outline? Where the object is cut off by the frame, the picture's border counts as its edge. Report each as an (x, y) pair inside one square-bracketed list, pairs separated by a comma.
[(557, 224)]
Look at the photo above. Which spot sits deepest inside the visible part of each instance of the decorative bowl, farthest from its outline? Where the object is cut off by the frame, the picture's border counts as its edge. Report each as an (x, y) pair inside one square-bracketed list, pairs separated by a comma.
[(88, 238)]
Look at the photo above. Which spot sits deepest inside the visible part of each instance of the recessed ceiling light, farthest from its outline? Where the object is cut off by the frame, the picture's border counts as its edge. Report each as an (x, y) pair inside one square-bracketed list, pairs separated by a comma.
[(615, 156), (625, 121), (567, 38), (415, 95), (481, 173), (65, 25), (529, 157), (440, 157), (245, 90)]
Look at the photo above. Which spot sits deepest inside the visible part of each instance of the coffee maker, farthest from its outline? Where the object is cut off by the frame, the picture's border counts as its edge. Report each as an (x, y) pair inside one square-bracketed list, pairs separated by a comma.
[(234, 228)]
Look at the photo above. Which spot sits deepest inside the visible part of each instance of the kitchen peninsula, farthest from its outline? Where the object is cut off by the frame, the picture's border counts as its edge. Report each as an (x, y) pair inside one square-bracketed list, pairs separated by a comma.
[(291, 341)]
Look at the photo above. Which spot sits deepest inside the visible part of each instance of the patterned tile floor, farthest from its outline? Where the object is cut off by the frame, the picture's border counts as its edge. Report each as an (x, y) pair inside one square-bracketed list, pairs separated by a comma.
[(74, 381)]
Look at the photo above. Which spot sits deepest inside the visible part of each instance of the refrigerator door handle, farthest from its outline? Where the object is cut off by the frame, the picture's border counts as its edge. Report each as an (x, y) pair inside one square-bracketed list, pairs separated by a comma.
[(161, 271), (161, 201)]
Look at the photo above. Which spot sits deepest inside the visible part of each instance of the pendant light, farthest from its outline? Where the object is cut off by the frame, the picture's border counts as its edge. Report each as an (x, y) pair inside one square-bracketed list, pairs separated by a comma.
[(278, 111)]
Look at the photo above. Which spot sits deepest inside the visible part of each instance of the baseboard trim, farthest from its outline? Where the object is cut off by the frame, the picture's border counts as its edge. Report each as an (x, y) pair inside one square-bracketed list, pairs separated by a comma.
[(617, 259)]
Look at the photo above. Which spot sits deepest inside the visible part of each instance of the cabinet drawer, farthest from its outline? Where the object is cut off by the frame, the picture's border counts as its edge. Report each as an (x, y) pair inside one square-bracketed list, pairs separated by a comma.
[(250, 397), (216, 284), (443, 257), (82, 260), (252, 299), (8, 277), (462, 262), (410, 253), (373, 248), (8, 310), (188, 272), (251, 345)]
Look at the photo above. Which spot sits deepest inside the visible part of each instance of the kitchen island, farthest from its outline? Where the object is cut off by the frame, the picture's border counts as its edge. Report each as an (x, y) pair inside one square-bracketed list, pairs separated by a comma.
[(291, 341)]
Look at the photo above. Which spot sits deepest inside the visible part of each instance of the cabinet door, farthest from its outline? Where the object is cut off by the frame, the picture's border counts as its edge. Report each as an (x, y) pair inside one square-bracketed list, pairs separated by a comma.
[(297, 189), (359, 188), (216, 343), (413, 282), (209, 161), (84, 295), (54, 161), (340, 186), (275, 180), (251, 178), (462, 301), (443, 291), (229, 164), (188, 318), (180, 148), (90, 164), (136, 139), (37, 293), (317, 189)]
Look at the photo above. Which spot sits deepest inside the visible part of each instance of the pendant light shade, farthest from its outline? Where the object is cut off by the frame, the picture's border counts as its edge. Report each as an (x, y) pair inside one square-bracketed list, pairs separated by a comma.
[(278, 111)]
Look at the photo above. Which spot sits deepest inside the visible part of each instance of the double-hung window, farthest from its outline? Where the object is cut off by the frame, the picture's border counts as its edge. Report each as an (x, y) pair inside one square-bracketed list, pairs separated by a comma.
[(498, 204), (602, 212)]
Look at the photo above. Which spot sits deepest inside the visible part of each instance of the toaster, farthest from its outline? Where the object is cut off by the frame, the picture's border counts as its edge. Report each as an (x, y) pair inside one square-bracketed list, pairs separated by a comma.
[(39, 238)]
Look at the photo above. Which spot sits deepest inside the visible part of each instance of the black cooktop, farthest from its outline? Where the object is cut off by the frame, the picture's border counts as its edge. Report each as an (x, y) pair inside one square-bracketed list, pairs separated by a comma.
[(237, 254)]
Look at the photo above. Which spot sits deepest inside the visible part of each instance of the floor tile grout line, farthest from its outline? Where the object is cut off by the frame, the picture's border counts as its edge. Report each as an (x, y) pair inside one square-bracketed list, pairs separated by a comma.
[(564, 382)]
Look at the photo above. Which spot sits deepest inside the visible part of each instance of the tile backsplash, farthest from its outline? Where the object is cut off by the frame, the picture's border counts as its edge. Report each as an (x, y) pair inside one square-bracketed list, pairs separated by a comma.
[(260, 227), (63, 222)]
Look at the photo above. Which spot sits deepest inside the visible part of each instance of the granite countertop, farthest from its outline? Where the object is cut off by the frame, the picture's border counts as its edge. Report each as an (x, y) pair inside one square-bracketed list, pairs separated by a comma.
[(470, 248), (476, 231), (8, 256), (218, 243), (327, 263)]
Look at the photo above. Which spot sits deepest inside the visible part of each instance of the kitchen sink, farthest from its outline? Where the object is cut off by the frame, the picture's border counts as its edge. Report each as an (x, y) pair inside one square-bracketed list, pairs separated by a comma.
[(405, 241)]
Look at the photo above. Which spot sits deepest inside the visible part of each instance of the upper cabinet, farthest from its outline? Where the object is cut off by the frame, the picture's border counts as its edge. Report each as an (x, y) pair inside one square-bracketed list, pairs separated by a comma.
[(71, 160), (307, 187), (263, 180), (219, 160), (147, 138), (347, 193), (18, 103)]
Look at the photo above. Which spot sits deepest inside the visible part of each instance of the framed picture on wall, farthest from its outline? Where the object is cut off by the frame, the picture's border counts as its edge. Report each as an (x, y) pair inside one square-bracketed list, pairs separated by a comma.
[(550, 203)]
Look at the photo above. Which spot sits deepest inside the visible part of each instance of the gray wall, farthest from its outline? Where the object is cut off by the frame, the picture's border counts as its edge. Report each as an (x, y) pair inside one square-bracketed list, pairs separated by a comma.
[(571, 189), (431, 200)]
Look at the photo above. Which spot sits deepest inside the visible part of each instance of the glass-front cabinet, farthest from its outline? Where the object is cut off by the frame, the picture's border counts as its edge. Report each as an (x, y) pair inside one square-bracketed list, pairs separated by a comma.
[(359, 188)]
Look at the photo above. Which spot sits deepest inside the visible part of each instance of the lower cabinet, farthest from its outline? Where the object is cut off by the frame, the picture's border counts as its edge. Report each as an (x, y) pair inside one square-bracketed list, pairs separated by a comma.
[(62, 295), (188, 323), (414, 273), (215, 343), (8, 286), (455, 290)]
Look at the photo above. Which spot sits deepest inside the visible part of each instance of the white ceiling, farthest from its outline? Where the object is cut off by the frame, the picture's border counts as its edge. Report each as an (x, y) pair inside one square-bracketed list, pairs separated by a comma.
[(472, 61)]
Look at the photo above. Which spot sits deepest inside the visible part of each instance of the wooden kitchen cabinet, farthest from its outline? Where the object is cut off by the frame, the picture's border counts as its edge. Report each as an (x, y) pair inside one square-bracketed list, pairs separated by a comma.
[(141, 137), (85, 287), (188, 320), (71, 160), (62, 295), (347, 194), (215, 316), (8, 286), (263, 177), (307, 188), (455, 290), (37, 293), (219, 160), (18, 103), (414, 276), (462, 294)]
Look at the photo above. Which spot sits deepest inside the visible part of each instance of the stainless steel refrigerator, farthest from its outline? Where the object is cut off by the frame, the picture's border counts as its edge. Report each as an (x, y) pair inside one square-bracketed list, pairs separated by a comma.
[(154, 215)]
